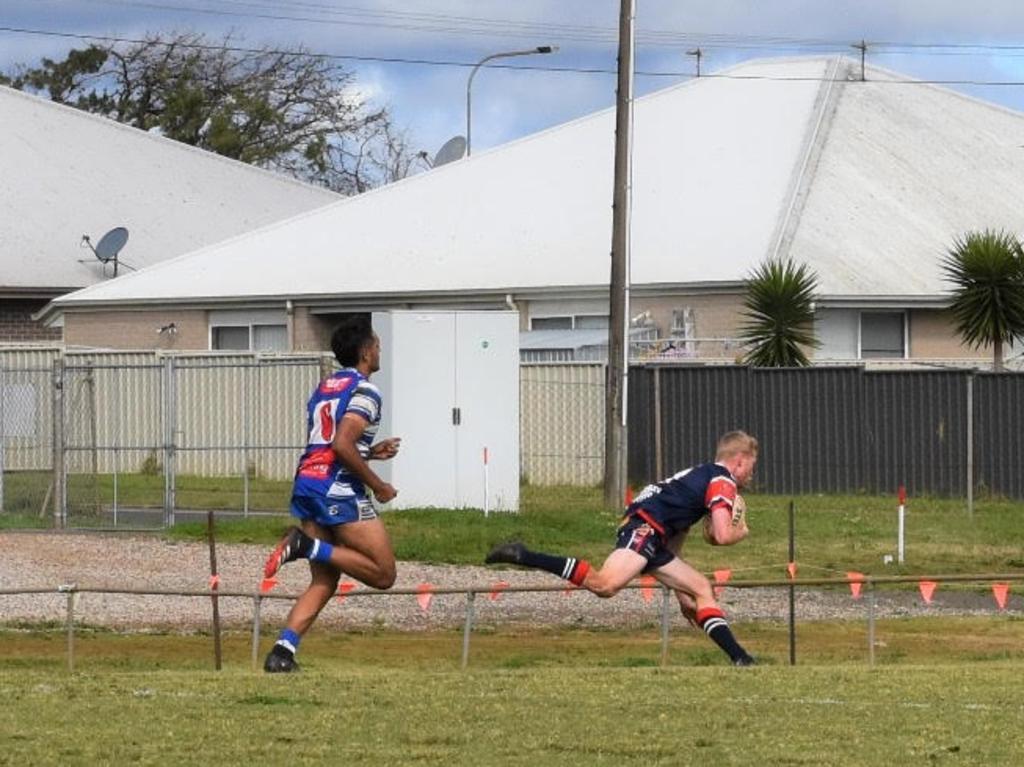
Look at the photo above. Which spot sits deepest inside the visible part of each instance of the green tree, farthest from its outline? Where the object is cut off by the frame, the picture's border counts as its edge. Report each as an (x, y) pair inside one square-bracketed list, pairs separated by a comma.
[(986, 270), (779, 312), (288, 111)]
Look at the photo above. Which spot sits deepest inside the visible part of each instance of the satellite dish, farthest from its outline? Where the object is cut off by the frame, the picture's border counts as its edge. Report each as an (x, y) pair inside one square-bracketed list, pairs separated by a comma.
[(110, 244), (453, 149)]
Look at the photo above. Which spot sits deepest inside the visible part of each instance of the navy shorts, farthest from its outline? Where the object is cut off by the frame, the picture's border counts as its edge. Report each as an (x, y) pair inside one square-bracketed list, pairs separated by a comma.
[(329, 512), (637, 535)]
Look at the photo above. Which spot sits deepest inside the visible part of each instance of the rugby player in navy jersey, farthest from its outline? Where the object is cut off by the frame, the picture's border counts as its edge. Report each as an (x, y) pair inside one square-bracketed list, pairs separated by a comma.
[(653, 530), (340, 531)]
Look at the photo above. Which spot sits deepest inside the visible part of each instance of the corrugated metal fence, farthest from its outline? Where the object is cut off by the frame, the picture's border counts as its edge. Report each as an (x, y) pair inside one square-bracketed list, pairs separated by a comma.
[(836, 429)]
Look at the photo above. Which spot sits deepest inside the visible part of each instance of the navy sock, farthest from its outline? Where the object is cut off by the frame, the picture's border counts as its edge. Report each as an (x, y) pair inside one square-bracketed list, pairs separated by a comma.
[(289, 640), (712, 620), (571, 569)]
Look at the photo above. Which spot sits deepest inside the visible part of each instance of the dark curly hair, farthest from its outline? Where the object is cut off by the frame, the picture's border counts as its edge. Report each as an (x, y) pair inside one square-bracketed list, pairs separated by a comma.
[(349, 339)]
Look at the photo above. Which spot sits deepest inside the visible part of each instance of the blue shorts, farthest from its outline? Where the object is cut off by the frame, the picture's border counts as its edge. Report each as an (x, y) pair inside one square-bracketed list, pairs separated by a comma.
[(329, 512), (637, 535)]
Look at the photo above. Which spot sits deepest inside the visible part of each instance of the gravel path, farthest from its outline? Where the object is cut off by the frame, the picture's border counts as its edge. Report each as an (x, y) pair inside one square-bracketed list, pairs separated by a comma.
[(47, 560)]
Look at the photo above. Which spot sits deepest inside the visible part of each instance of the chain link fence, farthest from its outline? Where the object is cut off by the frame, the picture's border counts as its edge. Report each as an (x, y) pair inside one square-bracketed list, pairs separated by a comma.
[(145, 439)]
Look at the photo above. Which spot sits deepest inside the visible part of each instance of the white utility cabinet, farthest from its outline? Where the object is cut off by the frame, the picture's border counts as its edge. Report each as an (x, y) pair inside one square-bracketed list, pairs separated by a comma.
[(450, 385)]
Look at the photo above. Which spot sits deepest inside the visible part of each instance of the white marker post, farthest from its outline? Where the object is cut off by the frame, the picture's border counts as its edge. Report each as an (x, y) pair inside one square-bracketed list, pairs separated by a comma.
[(487, 487), (899, 536)]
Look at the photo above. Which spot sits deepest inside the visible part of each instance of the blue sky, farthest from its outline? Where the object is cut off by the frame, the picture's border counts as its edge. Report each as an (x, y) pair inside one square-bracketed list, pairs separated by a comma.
[(429, 101)]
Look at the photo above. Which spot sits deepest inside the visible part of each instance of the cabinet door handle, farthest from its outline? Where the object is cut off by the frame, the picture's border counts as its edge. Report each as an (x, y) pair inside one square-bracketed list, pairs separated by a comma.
[(456, 416)]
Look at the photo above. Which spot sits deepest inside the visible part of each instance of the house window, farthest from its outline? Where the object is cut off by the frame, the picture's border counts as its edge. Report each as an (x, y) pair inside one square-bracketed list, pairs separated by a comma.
[(570, 322), (551, 323), (591, 321), (245, 338), (230, 338), (883, 335)]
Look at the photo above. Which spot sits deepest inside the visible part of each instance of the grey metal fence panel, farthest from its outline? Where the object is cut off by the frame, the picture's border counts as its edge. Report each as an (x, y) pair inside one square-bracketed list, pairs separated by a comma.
[(998, 430), (915, 432), (562, 423), (697, 406), (641, 432), (809, 426)]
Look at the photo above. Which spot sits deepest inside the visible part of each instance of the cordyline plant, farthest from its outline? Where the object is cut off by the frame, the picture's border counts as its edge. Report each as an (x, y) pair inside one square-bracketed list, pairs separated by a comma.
[(779, 312), (986, 269)]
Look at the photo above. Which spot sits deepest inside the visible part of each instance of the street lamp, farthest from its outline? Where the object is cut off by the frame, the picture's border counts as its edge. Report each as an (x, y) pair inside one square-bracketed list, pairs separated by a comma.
[(469, 84)]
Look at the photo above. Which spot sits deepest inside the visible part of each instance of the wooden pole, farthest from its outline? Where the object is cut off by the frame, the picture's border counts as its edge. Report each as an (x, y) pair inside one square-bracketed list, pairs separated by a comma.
[(214, 585)]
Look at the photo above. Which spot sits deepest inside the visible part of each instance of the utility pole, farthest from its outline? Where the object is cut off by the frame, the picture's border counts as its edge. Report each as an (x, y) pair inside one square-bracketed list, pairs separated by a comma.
[(863, 48), (618, 321), (696, 53)]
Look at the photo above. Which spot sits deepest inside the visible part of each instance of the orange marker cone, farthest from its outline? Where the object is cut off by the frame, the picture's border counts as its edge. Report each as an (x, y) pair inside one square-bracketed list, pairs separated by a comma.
[(927, 590), (791, 569), (1001, 591)]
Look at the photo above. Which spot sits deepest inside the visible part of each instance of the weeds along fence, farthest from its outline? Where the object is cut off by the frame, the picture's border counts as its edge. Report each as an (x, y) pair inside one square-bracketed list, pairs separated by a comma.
[(103, 436), (666, 607)]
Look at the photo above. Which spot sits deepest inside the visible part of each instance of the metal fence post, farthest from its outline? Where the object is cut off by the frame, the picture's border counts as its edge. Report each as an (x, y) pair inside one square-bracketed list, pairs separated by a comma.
[(659, 454), (246, 388), (70, 591), (60, 512), (665, 596), (257, 603), (970, 443), (169, 426), (468, 627), (871, 622)]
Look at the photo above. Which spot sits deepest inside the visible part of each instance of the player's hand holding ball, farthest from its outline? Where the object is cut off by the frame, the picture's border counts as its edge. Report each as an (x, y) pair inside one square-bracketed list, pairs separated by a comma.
[(739, 513), (739, 521)]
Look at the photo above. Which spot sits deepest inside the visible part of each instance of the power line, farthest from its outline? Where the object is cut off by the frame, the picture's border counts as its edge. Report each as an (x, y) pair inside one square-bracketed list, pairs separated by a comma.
[(457, 24), (469, 64)]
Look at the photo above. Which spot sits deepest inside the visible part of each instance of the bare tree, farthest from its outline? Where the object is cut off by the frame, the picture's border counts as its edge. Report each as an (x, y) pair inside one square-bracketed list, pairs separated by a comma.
[(285, 110)]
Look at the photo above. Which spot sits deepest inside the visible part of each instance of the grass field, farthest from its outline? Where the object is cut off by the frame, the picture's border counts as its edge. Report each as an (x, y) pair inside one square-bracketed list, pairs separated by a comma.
[(595, 716), (944, 690)]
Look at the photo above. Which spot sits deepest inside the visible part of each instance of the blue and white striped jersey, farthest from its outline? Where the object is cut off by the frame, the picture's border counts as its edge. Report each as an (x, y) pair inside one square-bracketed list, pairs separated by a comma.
[(320, 473)]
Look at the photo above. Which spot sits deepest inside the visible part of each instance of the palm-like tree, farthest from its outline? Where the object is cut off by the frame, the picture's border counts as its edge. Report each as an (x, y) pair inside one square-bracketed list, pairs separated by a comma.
[(779, 309), (987, 272)]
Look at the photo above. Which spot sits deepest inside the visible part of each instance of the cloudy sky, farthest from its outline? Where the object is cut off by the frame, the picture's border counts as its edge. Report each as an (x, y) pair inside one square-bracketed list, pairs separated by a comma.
[(978, 45)]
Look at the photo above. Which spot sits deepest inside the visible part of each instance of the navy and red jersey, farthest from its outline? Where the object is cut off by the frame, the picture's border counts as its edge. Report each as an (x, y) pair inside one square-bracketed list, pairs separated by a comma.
[(676, 503), (320, 473)]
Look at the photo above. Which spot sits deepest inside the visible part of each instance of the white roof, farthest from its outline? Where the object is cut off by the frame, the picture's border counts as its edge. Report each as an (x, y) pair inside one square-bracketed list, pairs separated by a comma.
[(65, 173), (866, 182)]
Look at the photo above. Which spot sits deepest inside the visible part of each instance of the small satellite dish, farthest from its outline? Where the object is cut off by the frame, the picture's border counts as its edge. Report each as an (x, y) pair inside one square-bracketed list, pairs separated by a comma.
[(110, 244), (453, 149)]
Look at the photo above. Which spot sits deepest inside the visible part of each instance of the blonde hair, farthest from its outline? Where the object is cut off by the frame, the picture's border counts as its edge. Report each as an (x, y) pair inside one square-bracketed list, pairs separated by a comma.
[(735, 443)]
